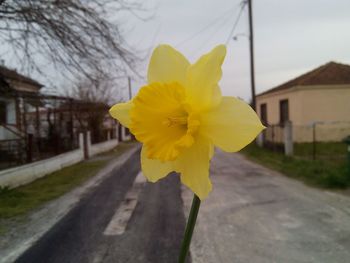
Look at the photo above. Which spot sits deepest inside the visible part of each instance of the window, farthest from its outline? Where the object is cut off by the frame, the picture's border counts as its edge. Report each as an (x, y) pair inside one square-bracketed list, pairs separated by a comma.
[(3, 113), (284, 111), (263, 113)]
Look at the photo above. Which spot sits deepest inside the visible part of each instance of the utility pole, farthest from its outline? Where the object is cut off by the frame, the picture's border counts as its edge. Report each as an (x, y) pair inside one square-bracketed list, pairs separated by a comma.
[(251, 38), (130, 97), (129, 83)]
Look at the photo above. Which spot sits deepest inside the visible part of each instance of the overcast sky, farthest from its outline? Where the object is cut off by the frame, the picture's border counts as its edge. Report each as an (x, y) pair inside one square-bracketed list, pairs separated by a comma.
[(291, 36)]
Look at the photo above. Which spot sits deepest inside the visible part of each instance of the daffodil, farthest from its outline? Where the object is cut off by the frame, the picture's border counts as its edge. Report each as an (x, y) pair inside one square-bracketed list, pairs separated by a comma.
[(180, 115)]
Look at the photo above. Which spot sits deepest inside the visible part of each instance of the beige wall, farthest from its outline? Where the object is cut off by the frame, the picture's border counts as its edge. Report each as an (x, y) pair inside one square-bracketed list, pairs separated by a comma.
[(273, 103), (329, 106), (326, 104)]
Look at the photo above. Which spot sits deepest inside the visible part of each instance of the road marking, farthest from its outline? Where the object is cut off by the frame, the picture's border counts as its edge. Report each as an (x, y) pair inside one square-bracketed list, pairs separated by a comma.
[(123, 214)]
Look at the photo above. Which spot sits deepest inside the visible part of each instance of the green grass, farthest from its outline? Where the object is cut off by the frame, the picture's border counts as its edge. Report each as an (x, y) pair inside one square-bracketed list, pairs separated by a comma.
[(23, 199), (20, 200), (323, 150), (319, 173)]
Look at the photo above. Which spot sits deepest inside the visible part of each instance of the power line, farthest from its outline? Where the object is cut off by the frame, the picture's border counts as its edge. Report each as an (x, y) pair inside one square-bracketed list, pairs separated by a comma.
[(236, 22), (212, 23), (217, 30)]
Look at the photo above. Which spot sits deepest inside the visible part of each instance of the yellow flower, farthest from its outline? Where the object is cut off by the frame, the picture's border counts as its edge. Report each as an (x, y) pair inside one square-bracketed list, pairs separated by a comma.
[(180, 115)]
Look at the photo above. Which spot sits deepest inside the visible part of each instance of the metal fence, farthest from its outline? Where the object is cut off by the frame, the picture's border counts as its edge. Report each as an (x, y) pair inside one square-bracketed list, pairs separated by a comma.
[(12, 153), (321, 141), (273, 137), (44, 126), (317, 141)]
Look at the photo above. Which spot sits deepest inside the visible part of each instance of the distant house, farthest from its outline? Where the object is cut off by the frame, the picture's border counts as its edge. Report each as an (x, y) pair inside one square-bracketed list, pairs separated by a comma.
[(36, 126), (13, 86), (320, 97)]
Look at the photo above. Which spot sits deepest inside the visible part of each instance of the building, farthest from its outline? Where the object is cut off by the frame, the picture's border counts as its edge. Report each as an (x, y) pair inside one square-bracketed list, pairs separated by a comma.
[(13, 87), (319, 98), (36, 126)]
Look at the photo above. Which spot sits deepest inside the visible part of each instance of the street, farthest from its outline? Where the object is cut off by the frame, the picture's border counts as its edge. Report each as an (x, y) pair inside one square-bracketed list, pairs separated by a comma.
[(252, 215), (258, 215), (153, 234)]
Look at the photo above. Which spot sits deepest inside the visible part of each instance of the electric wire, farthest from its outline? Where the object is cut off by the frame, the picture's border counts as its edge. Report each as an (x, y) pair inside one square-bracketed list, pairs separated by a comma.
[(211, 36), (212, 23), (236, 22)]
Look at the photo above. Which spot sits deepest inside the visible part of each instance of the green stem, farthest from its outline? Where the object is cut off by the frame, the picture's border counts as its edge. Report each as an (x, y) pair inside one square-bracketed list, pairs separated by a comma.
[(189, 228)]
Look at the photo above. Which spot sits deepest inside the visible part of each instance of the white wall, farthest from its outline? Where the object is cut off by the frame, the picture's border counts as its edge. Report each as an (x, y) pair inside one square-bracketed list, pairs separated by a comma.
[(10, 118), (11, 112), (125, 137), (102, 147), (25, 174)]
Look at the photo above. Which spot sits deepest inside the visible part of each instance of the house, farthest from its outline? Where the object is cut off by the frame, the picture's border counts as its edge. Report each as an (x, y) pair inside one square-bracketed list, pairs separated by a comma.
[(13, 87), (318, 99)]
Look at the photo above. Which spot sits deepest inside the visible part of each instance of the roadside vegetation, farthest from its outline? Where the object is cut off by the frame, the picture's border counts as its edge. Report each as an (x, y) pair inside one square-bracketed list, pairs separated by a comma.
[(329, 170), (327, 151), (21, 200)]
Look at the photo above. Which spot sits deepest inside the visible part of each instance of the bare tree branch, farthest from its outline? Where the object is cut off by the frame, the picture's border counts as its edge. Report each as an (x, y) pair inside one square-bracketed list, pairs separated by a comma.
[(75, 35), (97, 88)]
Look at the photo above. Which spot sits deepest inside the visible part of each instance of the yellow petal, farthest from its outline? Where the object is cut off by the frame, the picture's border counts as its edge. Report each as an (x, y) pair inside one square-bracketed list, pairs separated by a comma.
[(193, 164), (121, 112), (167, 65), (202, 79), (232, 125), (154, 169), (211, 151)]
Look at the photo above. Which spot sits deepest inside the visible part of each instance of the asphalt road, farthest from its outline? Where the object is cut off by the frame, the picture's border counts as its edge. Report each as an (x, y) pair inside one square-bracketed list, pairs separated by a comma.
[(255, 215), (153, 233)]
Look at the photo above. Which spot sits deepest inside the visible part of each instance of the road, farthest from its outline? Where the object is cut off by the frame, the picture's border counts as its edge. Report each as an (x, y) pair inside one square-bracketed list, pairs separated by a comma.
[(253, 215), (257, 215), (153, 233)]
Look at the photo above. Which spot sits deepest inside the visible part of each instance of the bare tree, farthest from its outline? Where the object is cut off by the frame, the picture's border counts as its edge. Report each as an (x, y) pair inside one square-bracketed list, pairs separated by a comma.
[(97, 88), (95, 94), (79, 36)]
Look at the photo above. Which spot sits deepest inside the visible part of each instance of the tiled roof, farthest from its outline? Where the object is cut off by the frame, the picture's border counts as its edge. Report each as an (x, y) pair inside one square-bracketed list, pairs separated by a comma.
[(331, 73), (10, 74)]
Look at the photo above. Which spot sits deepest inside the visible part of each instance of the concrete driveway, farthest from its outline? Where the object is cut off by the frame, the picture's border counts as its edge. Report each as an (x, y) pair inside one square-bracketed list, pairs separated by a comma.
[(255, 215)]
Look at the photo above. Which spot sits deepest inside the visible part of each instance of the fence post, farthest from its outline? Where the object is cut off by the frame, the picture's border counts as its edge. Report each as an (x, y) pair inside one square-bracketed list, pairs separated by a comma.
[(81, 141), (85, 143), (288, 138), (314, 141), (88, 136), (260, 139)]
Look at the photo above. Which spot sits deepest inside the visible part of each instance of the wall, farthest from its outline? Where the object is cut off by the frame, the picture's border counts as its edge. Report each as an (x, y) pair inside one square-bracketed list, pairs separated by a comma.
[(102, 147), (11, 111), (30, 172), (125, 136), (272, 101), (10, 119), (327, 106), (321, 103), (25, 174)]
